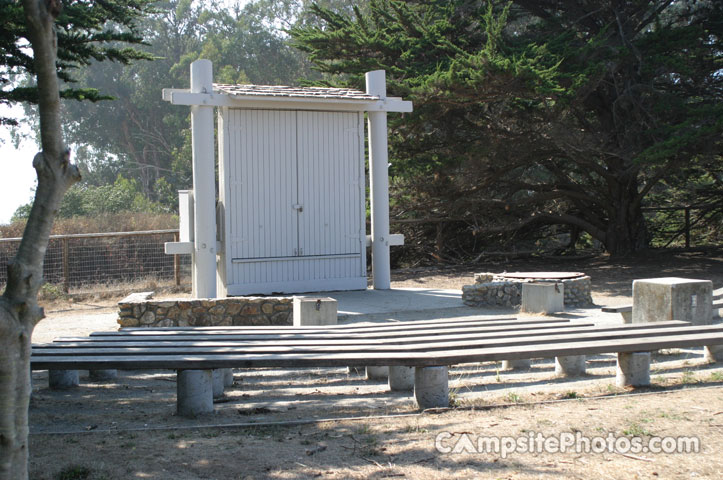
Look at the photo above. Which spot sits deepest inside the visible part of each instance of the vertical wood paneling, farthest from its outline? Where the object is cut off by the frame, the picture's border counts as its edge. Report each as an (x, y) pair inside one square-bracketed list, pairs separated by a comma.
[(328, 159), (281, 158)]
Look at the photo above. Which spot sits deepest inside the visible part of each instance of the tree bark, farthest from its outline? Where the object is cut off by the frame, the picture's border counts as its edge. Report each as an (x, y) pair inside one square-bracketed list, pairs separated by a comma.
[(19, 310), (627, 231)]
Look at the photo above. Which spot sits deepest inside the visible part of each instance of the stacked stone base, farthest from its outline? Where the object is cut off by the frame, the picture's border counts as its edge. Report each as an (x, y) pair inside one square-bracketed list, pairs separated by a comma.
[(140, 310), (490, 289)]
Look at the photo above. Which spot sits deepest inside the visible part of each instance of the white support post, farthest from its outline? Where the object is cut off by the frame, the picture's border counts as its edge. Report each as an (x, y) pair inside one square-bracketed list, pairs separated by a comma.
[(204, 186), (379, 182)]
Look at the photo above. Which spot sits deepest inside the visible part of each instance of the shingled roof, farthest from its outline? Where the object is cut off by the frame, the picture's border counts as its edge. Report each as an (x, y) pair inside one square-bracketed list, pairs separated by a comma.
[(296, 92)]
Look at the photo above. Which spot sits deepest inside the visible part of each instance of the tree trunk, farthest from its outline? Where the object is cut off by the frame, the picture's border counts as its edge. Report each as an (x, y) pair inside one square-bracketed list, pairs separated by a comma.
[(19, 310), (627, 231)]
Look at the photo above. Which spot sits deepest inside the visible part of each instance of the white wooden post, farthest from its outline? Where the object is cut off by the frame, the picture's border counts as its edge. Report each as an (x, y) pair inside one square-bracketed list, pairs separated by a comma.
[(204, 186), (379, 183)]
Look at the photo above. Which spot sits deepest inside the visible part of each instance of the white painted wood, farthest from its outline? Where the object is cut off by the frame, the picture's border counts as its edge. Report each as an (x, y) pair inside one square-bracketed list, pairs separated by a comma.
[(294, 201), (204, 184), (379, 183), (184, 97), (223, 264), (185, 215), (328, 147), (362, 194), (178, 248), (395, 240), (299, 286)]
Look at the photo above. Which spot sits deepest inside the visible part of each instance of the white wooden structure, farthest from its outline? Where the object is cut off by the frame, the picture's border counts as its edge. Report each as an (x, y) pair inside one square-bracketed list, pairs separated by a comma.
[(291, 206)]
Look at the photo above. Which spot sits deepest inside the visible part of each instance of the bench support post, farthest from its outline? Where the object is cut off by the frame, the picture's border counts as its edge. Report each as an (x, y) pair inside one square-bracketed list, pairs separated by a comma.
[(219, 382), (401, 379), (103, 375), (377, 373), (633, 369), (227, 377), (61, 379), (431, 387), (517, 364), (570, 365), (195, 392), (714, 353)]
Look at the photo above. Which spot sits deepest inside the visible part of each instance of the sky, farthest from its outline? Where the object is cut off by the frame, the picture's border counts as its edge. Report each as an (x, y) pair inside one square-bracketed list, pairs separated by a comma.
[(17, 175)]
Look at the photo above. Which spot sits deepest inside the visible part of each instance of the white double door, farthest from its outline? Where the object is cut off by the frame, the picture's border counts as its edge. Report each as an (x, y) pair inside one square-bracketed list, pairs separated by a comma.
[(297, 180)]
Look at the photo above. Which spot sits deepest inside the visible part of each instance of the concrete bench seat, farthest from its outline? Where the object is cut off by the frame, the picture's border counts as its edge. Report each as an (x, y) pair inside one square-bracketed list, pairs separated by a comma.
[(425, 348)]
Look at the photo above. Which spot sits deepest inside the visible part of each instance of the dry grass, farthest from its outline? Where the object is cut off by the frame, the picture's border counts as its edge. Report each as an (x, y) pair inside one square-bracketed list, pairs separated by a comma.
[(119, 222)]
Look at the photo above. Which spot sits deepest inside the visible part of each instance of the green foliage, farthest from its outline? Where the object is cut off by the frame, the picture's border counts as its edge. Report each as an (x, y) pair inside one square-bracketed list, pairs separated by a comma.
[(529, 114), (87, 32), (139, 135), (124, 195)]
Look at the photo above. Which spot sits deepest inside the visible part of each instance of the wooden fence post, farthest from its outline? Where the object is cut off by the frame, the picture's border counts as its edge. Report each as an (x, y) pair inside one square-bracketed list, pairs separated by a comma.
[(66, 266)]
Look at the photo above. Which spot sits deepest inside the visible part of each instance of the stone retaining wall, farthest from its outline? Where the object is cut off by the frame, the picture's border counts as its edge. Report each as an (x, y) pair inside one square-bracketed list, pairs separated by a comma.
[(140, 310), (490, 289)]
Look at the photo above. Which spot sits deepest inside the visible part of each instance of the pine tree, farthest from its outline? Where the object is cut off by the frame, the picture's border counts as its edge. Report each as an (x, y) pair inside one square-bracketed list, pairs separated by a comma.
[(536, 113)]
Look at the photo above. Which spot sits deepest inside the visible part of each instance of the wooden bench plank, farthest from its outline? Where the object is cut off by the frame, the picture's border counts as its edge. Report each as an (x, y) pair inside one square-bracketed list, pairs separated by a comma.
[(527, 338), (420, 337), (269, 330), (501, 337), (445, 357), (310, 336), (342, 339), (620, 309)]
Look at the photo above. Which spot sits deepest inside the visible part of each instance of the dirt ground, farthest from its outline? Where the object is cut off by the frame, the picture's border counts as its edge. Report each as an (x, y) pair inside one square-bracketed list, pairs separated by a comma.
[(327, 423)]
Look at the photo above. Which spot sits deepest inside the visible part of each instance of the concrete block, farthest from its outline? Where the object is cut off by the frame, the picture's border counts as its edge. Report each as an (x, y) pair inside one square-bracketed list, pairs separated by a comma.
[(633, 369), (219, 382), (431, 387), (227, 377), (103, 375), (194, 392), (714, 353), (62, 379), (377, 373), (401, 379), (314, 311), (543, 297), (672, 298), (570, 365), (517, 364)]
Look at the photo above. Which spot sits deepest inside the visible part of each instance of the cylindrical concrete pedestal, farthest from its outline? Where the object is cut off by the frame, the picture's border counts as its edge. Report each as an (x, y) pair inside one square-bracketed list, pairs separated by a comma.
[(219, 382), (227, 377), (633, 369), (195, 392), (570, 365), (714, 353), (60, 379), (431, 387), (401, 379), (103, 375), (517, 364), (377, 373)]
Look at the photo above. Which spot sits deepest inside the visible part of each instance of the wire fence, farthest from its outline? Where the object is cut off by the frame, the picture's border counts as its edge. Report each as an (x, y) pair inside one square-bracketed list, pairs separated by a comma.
[(99, 260)]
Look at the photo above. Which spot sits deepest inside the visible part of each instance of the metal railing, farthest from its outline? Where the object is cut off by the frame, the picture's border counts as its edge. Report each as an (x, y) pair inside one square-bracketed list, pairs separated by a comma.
[(103, 259)]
